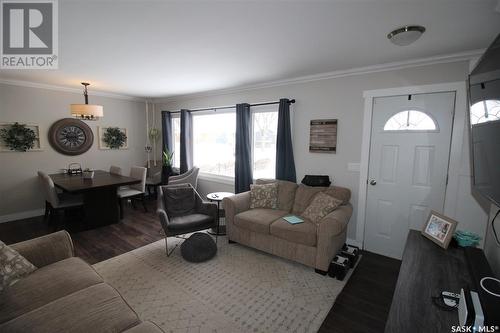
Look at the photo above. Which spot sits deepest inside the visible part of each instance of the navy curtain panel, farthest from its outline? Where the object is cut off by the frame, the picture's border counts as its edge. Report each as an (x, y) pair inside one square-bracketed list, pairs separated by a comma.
[(243, 155), (186, 156), (285, 164), (166, 130)]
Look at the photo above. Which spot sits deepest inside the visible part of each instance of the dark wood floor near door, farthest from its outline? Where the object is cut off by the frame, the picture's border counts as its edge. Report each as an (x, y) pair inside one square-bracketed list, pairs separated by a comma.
[(362, 306)]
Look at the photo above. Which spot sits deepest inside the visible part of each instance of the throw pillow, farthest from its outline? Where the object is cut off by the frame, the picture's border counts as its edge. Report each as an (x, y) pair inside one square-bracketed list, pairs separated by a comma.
[(264, 196), (13, 266), (321, 205)]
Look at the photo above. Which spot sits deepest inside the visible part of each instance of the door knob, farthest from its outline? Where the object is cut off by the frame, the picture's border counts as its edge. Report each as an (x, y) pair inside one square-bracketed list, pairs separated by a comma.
[(373, 182)]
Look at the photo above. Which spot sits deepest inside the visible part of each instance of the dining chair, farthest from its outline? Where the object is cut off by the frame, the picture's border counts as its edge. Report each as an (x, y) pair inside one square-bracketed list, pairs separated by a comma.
[(182, 210), (54, 202), (135, 191), (115, 170), (188, 177)]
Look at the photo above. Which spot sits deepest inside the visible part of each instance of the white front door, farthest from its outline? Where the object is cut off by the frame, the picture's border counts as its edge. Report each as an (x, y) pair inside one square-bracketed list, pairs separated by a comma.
[(408, 167)]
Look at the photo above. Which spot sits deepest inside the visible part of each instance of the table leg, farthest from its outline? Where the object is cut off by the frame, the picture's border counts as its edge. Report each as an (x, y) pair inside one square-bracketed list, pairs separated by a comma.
[(101, 207)]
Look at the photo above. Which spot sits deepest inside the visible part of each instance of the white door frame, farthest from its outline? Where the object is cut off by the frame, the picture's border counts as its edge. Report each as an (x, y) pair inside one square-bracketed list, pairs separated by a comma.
[(459, 123)]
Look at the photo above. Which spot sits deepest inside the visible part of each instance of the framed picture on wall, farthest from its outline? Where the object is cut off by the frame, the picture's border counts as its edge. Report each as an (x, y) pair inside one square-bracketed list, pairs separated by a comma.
[(17, 137), (112, 138), (439, 229), (323, 136)]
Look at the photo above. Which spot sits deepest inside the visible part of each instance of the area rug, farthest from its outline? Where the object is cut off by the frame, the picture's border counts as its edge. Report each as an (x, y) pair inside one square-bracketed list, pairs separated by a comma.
[(239, 290)]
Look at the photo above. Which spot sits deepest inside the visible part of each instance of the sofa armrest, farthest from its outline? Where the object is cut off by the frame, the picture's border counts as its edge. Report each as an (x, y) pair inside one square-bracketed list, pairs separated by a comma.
[(236, 204), (46, 250), (331, 235)]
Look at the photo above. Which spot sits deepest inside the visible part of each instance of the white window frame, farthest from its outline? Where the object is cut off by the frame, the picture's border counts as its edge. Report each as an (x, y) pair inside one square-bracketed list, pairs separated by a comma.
[(258, 109), (436, 124), (211, 176), (174, 116), (253, 111)]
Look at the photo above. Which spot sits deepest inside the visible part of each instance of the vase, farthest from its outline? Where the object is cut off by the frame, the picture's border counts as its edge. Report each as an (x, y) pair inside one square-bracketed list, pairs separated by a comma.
[(166, 171)]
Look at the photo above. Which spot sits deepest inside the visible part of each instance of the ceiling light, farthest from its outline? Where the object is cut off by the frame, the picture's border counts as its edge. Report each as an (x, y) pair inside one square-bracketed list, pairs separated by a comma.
[(86, 111), (406, 35)]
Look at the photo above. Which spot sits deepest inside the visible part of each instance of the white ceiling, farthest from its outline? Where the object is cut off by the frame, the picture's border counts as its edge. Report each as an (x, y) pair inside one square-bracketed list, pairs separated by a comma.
[(166, 48)]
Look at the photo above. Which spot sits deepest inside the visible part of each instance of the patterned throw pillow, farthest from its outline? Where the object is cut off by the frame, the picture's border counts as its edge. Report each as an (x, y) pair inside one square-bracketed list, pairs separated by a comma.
[(13, 266), (321, 205), (264, 196)]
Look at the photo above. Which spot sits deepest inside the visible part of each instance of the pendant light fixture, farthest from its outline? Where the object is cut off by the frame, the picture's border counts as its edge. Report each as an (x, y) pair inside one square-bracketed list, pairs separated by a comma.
[(406, 35), (86, 111)]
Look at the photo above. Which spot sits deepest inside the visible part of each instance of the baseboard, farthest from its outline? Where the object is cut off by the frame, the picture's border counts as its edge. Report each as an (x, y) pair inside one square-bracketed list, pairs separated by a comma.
[(21, 215), (354, 242)]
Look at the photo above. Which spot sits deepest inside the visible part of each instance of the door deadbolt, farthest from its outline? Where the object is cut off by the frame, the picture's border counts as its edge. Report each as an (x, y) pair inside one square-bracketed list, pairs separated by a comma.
[(373, 182)]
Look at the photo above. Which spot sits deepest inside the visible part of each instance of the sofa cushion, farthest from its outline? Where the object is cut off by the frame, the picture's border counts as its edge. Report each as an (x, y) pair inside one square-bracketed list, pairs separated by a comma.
[(96, 308), (304, 195), (46, 285), (302, 233), (258, 219), (286, 192), (191, 221), (320, 206), (13, 266), (264, 196)]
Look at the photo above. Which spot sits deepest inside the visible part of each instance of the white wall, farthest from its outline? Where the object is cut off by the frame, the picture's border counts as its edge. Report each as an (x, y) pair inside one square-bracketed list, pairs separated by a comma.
[(19, 189), (340, 98)]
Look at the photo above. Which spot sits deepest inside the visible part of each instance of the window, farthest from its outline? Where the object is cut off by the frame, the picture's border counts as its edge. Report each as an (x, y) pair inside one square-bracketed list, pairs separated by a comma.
[(214, 142), (410, 120), (484, 111), (265, 126), (176, 139)]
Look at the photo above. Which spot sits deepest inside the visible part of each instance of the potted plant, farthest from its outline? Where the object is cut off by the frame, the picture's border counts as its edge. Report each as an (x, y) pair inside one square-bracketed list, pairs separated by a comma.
[(88, 173), (166, 169)]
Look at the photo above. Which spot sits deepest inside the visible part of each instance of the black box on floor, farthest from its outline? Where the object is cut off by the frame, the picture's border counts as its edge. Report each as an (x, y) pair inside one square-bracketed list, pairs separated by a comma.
[(351, 252), (339, 267)]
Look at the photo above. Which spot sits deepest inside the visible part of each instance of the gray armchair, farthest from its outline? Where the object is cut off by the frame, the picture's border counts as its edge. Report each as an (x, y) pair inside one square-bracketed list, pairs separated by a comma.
[(188, 177), (182, 210)]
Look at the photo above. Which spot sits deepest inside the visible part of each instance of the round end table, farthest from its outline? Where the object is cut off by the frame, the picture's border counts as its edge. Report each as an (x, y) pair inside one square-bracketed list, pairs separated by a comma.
[(217, 197)]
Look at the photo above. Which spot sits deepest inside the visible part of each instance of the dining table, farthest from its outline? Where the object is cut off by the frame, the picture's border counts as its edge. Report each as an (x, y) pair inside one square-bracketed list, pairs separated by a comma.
[(100, 201)]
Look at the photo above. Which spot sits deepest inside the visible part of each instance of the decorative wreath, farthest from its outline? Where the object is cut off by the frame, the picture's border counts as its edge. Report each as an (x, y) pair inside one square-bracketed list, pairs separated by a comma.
[(18, 137), (114, 137)]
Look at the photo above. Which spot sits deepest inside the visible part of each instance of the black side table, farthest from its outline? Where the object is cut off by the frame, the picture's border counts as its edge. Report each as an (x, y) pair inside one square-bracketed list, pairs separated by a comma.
[(217, 197)]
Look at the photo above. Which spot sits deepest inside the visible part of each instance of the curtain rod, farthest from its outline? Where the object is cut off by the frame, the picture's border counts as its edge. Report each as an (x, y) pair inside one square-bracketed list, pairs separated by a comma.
[(215, 108)]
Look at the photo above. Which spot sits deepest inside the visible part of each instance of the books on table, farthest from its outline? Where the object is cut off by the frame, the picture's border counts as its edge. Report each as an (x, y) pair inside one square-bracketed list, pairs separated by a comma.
[(293, 219)]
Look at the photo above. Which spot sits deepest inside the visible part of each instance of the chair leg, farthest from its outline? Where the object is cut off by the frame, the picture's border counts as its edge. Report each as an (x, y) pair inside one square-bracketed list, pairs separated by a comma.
[(47, 210), (120, 208), (166, 247), (143, 200)]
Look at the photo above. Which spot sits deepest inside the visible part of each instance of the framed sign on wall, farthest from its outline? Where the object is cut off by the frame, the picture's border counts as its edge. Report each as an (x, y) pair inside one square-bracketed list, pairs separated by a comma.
[(323, 136)]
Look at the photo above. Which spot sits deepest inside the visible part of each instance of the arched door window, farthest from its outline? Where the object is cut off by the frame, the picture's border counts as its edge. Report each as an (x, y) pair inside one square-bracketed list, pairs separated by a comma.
[(485, 111), (410, 120)]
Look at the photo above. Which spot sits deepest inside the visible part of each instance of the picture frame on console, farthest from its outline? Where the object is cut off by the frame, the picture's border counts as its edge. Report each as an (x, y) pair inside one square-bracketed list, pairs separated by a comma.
[(439, 229)]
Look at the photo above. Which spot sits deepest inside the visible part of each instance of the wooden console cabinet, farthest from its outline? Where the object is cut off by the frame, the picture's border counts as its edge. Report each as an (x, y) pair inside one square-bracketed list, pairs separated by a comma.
[(426, 270)]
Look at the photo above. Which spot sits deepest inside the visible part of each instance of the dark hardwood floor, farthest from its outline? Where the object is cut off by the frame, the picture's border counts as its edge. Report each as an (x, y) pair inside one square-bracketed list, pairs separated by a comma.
[(362, 306), (135, 230), (364, 303)]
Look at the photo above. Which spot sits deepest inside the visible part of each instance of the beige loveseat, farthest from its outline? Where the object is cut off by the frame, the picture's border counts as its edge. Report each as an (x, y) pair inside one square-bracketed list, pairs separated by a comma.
[(266, 230), (64, 294)]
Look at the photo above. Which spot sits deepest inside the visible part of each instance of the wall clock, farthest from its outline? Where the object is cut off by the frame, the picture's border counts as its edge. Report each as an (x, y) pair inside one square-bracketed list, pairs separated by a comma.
[(71, 136)]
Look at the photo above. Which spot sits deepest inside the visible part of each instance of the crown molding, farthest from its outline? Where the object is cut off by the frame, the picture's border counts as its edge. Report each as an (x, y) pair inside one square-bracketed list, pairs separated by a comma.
[(440, 59), (37, 85)]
